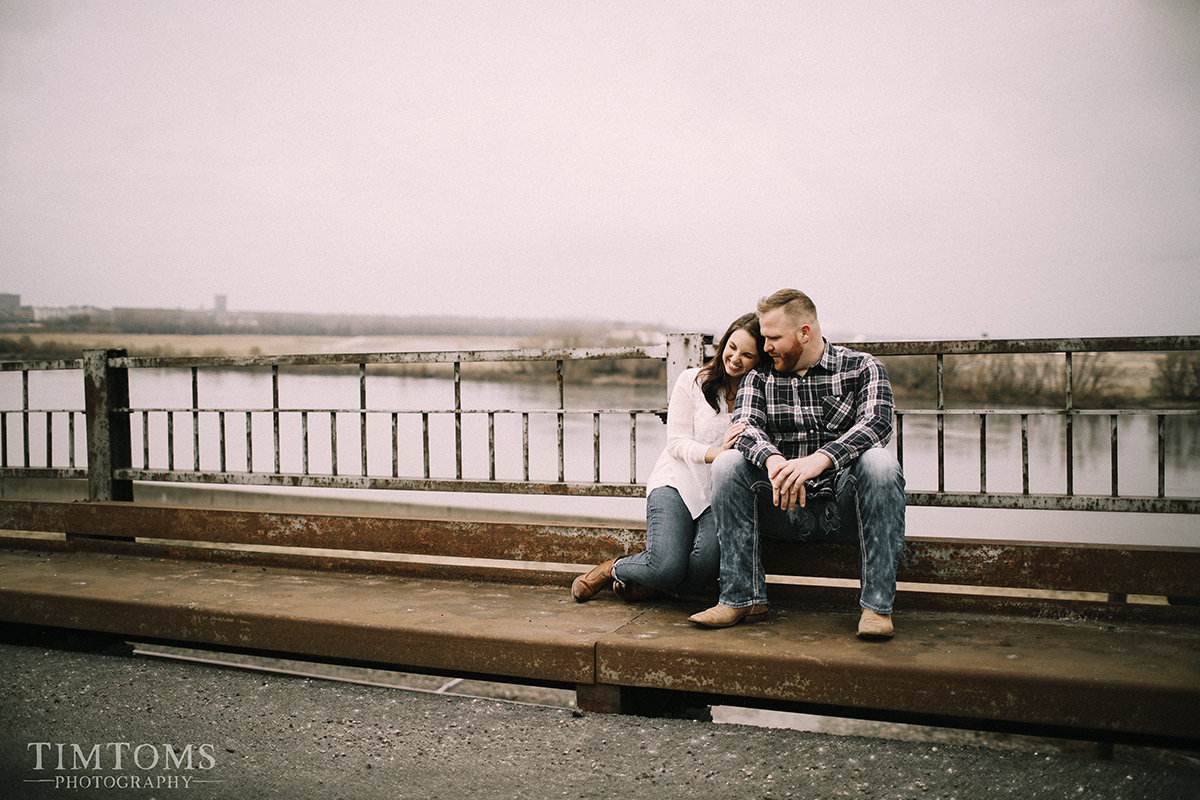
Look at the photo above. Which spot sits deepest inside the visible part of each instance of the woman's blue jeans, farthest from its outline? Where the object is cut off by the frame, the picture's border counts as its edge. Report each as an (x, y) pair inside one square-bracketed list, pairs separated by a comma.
[(868, 509), (681, 552)]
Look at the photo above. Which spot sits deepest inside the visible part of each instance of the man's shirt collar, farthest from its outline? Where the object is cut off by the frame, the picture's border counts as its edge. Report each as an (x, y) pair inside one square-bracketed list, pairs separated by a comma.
[(828, 360)]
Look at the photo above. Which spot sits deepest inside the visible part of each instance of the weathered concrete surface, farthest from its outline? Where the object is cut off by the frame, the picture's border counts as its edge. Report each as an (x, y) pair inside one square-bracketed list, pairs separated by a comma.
[(255, 735), (1138, 679)]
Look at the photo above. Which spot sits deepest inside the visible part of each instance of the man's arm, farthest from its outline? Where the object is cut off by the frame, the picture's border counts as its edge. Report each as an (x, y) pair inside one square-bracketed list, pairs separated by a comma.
[(750, 409), (873, 420)]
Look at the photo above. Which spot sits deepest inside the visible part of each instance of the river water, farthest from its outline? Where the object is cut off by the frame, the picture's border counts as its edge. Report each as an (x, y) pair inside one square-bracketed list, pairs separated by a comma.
[(239, 391)]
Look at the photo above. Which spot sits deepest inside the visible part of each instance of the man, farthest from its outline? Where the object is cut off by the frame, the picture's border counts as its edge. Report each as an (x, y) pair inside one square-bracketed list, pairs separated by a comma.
[(810, 466)]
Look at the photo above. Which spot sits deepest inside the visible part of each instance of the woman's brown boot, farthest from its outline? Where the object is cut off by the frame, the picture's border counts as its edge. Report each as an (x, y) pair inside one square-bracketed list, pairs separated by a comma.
[(586, 586)]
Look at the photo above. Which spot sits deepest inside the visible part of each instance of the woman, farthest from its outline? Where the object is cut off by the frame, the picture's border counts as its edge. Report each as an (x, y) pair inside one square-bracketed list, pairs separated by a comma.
[(681, 534)]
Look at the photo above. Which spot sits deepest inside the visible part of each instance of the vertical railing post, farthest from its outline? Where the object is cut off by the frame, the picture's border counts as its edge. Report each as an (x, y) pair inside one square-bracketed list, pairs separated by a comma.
[(106, 389), (25, 415), (195, 419), (458, 453), (1069, 414), (684, 351), (362, 415), (941, 421), (275, 413), (562, 405)]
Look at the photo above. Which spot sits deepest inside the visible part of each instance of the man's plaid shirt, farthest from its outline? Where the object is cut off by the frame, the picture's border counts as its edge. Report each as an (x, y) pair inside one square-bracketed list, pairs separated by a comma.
[(842, 406)]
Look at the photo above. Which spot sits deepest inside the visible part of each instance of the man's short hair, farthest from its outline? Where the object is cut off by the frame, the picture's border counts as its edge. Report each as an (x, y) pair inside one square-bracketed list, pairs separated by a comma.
[(798, 307)]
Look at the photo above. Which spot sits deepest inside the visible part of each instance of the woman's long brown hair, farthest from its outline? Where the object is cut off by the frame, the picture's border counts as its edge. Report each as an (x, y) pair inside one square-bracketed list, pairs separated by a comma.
[(712, 377)]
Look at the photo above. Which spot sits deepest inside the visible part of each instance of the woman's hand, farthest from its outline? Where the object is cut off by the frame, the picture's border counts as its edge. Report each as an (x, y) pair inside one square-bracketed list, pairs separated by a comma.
[(731, 435)]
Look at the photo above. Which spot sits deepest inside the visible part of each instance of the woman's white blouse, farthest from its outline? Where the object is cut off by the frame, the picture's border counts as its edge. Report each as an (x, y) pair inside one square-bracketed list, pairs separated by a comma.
[(693, 426)]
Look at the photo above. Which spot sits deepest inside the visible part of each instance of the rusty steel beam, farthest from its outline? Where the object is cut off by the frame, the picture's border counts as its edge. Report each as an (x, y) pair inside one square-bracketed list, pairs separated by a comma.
[(525, 632), (967, 601), (1045, 502), (1136, 681), (1149, 570), (1021, 565), (571, 544), (464, 570), (1055, 567), (1054, 502)]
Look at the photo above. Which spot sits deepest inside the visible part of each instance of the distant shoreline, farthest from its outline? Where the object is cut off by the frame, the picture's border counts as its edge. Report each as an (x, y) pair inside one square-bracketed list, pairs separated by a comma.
[(240, 344), (51, 346)]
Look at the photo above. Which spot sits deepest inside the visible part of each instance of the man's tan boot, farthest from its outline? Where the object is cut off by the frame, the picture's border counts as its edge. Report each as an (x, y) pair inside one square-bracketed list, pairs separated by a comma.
[(724, 617), (875, 627)]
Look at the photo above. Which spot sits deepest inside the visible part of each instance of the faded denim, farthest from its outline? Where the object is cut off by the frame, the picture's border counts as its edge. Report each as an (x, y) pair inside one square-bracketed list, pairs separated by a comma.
[(681, 553), (868, 509)]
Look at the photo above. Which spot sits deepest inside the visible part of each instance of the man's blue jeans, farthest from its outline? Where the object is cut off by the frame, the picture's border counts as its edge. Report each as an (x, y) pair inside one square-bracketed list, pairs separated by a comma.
[(681, 552), (868, 509)]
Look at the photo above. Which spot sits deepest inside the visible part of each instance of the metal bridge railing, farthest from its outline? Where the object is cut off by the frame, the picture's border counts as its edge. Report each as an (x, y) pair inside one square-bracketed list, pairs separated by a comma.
[(1068, 411), (108, 411), (24, 417), (337, 478)]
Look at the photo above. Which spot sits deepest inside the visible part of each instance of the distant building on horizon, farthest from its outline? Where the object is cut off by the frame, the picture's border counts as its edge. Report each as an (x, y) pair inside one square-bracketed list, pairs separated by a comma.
[(11, 310), (43, 313)]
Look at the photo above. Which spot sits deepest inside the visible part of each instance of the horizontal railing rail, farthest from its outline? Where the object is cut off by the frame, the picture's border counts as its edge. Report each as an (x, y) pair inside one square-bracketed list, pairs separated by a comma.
[(355, 359), (1102, 344), (109, 466)]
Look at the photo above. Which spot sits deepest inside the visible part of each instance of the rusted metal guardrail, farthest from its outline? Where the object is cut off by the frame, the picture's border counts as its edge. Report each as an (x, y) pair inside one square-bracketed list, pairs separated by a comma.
[(110, 472)]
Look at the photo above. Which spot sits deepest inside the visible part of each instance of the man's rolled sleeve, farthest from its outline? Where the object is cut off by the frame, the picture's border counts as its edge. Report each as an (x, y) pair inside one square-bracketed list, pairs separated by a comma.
[(750, 408)]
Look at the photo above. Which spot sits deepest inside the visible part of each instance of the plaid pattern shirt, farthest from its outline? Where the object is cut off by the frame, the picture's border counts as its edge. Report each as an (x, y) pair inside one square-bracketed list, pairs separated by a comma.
[(841, 407)]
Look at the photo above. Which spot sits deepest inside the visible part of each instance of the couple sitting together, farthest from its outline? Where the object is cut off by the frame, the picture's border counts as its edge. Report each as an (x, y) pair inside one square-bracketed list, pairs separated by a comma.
[(780, 435)]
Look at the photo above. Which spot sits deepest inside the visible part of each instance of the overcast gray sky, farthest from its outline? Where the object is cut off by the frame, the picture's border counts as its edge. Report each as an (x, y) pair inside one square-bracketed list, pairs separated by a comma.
[(935, 169)]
